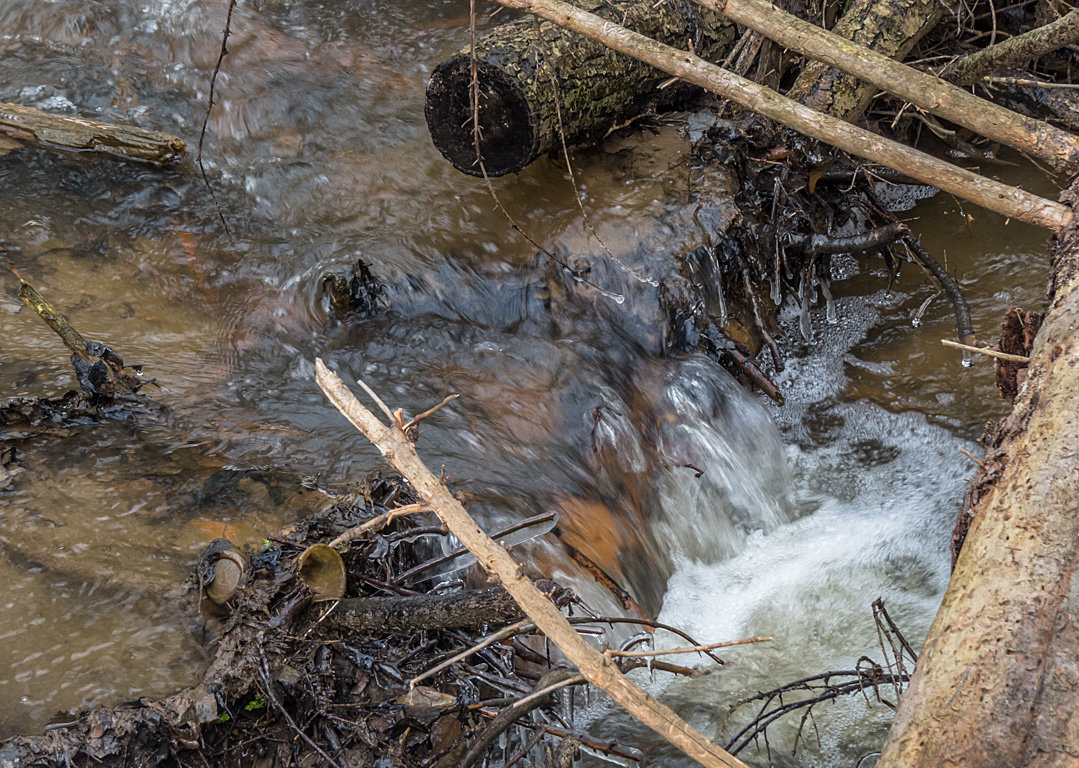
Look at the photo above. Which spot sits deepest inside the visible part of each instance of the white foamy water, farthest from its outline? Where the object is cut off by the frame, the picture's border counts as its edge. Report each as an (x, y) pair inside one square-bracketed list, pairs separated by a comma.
[(804, 517)]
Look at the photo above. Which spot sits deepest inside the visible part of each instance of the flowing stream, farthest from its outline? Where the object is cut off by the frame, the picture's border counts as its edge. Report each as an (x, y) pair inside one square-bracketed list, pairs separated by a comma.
[(800, 518)]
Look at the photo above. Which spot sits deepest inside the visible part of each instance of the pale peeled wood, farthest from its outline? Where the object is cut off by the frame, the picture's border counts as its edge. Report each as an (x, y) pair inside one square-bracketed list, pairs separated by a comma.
[(597, 668)]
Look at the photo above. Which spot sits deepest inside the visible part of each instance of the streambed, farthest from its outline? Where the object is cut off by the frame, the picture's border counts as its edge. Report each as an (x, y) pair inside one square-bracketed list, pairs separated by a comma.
[(803, 516)]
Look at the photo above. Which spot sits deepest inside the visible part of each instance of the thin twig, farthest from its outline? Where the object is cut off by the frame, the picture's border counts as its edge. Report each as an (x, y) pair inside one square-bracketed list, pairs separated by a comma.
[(420, 417), (689, 649), (264, 673), (972, 457), (501, 634), (209, 107), (985, 351), (378, 523)]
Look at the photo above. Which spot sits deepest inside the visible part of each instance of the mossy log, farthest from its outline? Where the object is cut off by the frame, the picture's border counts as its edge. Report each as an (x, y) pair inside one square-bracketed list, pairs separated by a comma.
[(531, 73), (82, 135), (997, 683)]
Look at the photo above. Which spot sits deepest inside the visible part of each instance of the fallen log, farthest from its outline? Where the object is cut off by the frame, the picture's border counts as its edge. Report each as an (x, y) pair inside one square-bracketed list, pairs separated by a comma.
[(889, 27), (1006, 200), (997, 683), (1034, 137), (531, 74), (79, 134), (472, 609)]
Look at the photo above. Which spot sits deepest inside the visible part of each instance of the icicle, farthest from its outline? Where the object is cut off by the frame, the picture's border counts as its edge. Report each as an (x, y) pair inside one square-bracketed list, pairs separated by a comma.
[(916, 321), (829, 302), (777, 280), (721, 300), (804, 322)]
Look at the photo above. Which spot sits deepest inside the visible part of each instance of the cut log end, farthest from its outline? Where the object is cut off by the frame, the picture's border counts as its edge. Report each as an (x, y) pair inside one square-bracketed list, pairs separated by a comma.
[(507, 125)]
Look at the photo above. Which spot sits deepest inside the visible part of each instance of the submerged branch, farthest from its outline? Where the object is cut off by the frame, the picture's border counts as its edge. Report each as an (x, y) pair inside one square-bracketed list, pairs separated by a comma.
[(80, 134)]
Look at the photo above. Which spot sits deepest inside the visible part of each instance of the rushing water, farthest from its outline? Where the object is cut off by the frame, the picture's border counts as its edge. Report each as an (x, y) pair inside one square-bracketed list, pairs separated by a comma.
[(317, 150)]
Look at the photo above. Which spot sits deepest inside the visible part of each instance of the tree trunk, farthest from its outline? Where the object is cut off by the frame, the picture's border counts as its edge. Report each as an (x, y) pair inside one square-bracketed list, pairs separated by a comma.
[(998, 680), (531, 72)]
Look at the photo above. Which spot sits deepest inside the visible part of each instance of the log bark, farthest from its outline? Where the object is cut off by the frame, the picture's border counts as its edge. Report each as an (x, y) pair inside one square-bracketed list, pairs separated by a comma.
[(997, 683), (1016, 51), (1008, 201), (82, 135), (531, 72), (1039, 139), (890, 27), (472, 609)]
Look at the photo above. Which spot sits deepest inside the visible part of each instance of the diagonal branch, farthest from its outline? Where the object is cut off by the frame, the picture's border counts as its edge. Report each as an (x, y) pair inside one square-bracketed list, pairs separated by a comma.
[(599, 670)]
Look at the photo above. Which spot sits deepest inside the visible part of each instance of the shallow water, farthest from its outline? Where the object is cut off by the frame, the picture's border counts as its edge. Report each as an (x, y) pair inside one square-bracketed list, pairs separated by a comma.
[(319, 154)]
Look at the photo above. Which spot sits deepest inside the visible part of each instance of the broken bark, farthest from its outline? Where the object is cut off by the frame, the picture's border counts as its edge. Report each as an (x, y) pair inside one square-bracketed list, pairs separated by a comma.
[(456, 610), (1008, 201), (531, 73), (1039, 139), (889, 27), (997, 683), (82, 135)]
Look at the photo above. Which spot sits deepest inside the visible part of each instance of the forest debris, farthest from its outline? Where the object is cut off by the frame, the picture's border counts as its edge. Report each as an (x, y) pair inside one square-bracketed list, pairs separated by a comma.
[(1005, 200), (473, 609), (27, 124), (1015, 51), (466, 754), (624, 598), (1017, 334), (76, 408), (272, 663), (323, 571), (986, 351), (357, 291), (1034, 137), (888, 27), (685, 649), (8, 471), (222, 568), (399, 451), (376, 524)]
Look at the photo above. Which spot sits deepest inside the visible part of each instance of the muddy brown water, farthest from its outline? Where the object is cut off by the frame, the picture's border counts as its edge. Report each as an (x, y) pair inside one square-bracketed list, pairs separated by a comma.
[(319, 154)]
